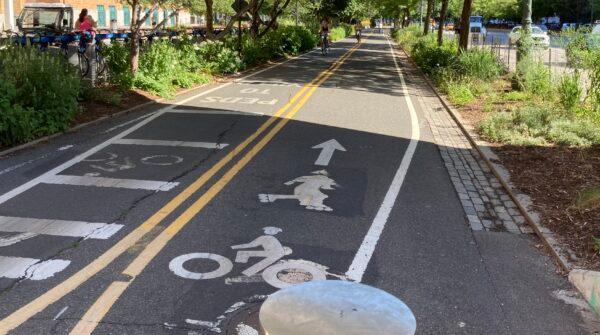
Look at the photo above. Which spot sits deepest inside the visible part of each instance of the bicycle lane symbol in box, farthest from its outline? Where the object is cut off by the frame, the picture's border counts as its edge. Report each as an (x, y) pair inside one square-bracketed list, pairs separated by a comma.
[(272, 269)]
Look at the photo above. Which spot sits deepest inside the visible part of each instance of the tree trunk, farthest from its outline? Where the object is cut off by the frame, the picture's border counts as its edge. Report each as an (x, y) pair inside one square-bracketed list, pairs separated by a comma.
[(134, 55), (442, 22), (428, 17), (209, 18), (406, 17), (465, 25), (525, 44)]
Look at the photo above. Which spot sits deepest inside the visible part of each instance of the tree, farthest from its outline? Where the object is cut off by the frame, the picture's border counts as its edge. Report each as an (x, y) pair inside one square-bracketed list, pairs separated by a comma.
[(442, 23), (465, 25), (428, 14), (525, 43)]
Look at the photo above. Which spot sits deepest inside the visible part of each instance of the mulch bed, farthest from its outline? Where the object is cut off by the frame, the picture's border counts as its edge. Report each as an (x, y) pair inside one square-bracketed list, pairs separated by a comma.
[(93, 110), (554, 177)]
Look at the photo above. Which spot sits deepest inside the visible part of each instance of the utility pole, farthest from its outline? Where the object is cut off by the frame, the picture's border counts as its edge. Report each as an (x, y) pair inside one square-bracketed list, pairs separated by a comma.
[(592, 8), (9, 15)]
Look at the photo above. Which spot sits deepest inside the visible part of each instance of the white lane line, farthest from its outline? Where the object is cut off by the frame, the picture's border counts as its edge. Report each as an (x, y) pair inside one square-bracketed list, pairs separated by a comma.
[(206, 145), (214, 112), (30, 268), (61, 312), (32, 183), (127, 123), (367, 248), (150, 185), (93, 230)]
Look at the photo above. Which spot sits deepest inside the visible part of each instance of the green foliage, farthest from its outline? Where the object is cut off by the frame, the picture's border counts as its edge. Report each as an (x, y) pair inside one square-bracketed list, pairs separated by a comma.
[(287, 40), (38, 94), (538, 125), (426, 53), (480, 64), (337, 34), (116, 56), (218, 58), (570, 91), (533, 77), (460, 93), (589, 198)]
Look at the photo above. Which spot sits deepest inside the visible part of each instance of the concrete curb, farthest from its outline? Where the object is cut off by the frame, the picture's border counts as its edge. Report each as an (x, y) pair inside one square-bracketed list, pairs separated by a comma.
[(559, 253)]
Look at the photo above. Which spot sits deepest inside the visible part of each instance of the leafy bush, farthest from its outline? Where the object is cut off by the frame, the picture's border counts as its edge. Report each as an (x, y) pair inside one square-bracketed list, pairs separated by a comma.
[(481, 64), (116, 56), (218, 58), (532, 76), (570, 91), (38, 94), (426, 53), (460, 93), (337, 33), (287, 40), (538, 125)]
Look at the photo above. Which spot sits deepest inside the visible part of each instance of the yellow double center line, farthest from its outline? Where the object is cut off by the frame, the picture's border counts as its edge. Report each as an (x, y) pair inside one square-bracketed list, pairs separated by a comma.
[(103, 304)]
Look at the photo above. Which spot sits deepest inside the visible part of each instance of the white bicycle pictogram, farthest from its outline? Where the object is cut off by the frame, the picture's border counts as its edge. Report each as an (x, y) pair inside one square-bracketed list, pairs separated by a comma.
[(274, 270)]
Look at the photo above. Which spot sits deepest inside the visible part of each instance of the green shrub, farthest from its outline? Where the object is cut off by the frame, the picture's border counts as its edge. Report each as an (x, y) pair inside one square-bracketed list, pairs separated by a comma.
[(426, 53), (570, 91), (337, 33), (594, 90), (116, 56), (219, 59), (574, 132), (480, 64), (460, 93), (533, 77), (38, 94)]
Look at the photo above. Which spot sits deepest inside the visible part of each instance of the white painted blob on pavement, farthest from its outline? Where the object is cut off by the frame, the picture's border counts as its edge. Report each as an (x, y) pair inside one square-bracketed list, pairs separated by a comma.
[(206, 145), (58, 227), (30, 268), (176, 265), (328, 148), (60, 313), (150, 185), (308, 193), (367, 248), (243, 329)]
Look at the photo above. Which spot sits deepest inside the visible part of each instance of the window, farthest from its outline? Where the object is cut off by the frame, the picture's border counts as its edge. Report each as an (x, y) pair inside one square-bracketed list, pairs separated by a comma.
[(155, 18), (146, 11), (112, 13), (166, 15), (101, 16), (126, 16), (173, 20)]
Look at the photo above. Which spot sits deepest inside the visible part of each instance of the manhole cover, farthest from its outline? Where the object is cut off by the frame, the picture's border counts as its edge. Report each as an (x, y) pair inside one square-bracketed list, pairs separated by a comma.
[(244, 321), (294, 276)]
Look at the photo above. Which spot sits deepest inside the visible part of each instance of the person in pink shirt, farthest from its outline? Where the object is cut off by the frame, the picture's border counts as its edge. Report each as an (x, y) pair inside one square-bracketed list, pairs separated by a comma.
[(85, 22)]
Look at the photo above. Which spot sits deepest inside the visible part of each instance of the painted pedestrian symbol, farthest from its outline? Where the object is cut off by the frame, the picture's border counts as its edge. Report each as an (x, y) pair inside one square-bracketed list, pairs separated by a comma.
[(308, 193), (274, 270)]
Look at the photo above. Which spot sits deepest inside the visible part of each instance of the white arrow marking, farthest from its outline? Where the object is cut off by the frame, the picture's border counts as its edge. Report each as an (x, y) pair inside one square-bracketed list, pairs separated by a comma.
[(328, 148)]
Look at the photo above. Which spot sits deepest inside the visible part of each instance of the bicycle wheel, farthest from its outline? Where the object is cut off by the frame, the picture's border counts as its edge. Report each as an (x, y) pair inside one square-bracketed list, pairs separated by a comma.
[(176, 266), (84, 65), (100, 65)]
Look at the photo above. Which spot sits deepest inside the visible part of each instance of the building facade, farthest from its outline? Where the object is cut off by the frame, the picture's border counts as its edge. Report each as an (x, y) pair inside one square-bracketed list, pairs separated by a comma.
[(104, 13)]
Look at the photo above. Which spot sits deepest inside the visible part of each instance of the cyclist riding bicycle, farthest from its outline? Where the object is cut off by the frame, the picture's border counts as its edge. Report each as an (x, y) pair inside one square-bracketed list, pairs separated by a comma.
[(325, 35), (358, 27)]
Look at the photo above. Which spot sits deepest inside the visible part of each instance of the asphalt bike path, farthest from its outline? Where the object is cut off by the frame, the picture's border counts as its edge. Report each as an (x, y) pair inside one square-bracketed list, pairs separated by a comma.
[(185, 222)]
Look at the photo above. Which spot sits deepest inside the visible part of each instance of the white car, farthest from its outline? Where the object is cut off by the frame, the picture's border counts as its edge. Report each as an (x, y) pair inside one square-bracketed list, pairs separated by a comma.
[(539, 36), (596, 29)]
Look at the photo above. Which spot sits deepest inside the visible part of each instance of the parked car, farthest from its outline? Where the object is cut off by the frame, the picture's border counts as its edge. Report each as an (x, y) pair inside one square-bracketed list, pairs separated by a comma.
[(46, 17), (450, 26), (477, 26), (596, 29), (539, 37)]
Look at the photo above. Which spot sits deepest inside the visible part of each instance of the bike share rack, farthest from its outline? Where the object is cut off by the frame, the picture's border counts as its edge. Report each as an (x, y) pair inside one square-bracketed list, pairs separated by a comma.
[(75, 46)]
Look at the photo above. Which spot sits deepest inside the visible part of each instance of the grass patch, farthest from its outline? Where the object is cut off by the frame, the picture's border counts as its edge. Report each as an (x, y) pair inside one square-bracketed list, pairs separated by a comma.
[(589, 199)]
